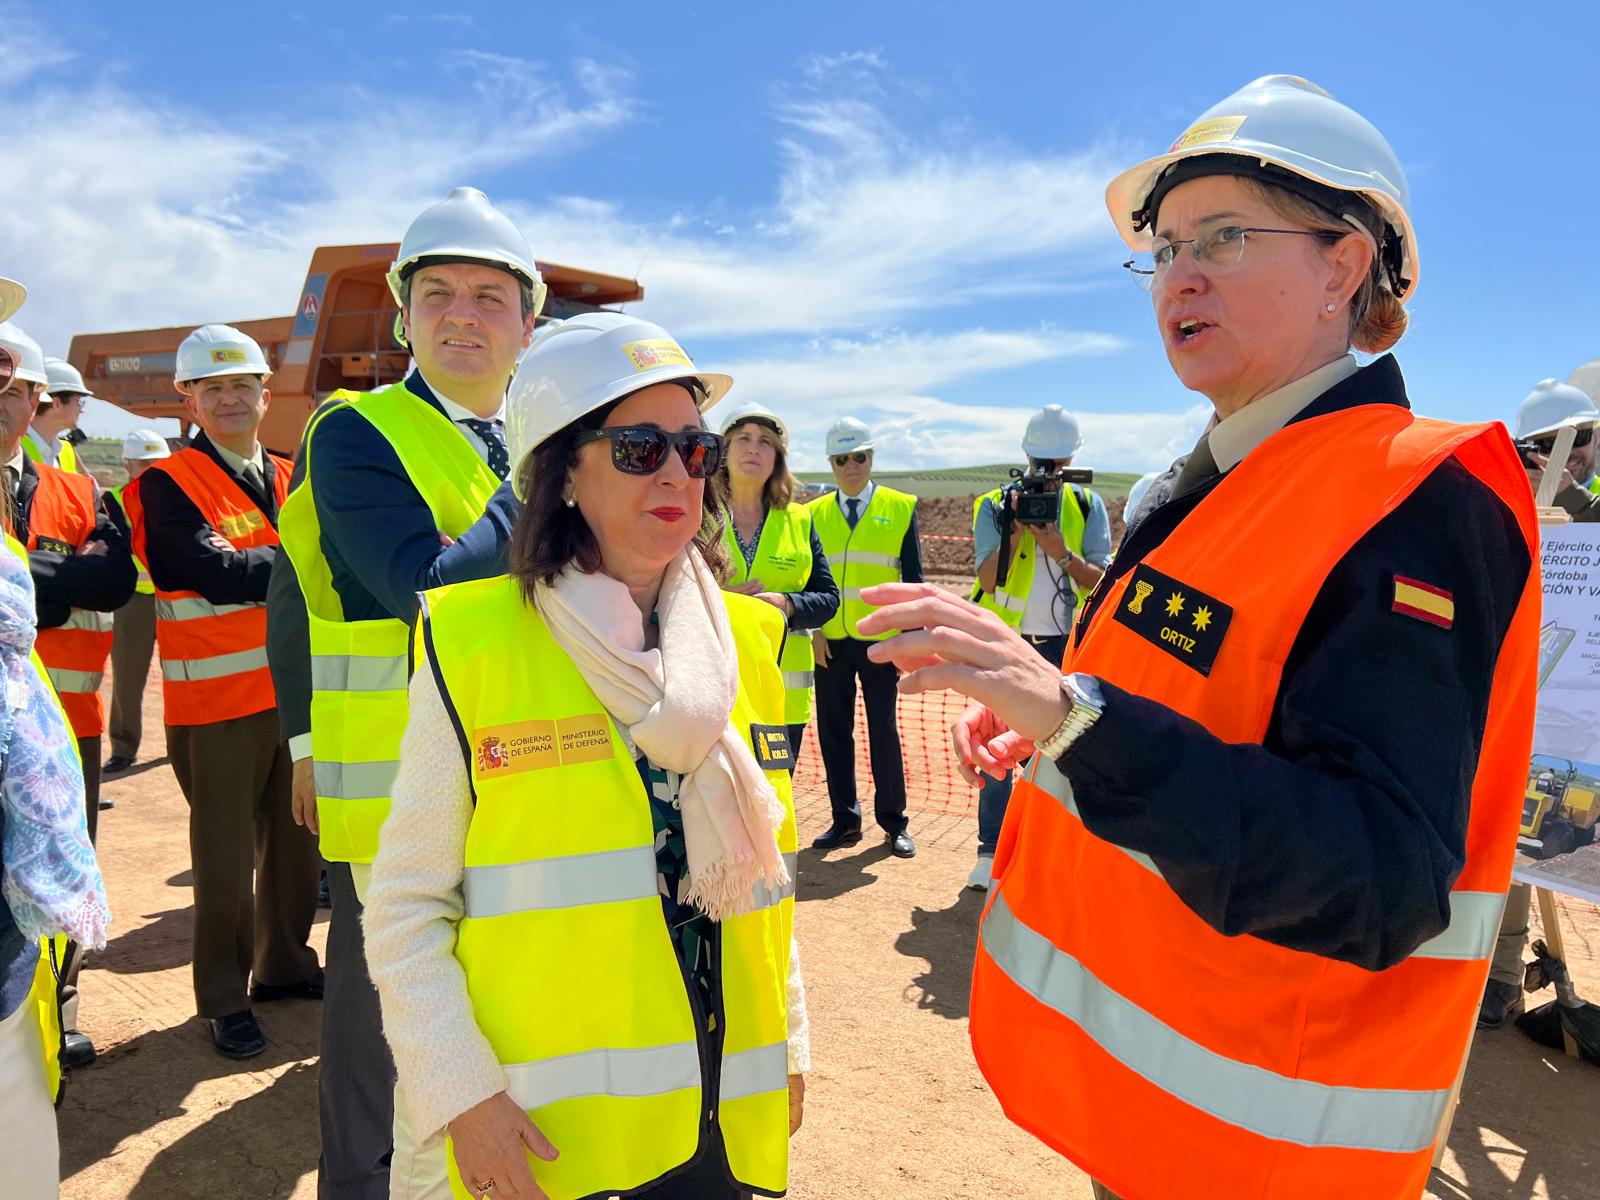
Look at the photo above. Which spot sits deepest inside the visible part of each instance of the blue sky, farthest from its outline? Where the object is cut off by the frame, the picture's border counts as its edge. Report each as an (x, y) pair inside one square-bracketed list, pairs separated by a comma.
[(893, 210)]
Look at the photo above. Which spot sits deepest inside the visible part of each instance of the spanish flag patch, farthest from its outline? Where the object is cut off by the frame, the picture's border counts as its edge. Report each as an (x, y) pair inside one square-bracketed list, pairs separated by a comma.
[(1413, 598)]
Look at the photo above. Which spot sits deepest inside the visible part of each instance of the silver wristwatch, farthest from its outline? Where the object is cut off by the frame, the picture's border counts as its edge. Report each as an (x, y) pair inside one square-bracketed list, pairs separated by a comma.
[(1083, 691)]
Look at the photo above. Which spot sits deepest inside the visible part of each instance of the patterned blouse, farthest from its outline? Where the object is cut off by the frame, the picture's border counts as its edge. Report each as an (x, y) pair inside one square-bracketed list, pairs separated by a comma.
[(748, 548), (694, 935)]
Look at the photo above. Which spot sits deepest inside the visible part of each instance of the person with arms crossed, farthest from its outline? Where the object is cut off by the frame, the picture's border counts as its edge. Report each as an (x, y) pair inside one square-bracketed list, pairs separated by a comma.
[(133, 638)]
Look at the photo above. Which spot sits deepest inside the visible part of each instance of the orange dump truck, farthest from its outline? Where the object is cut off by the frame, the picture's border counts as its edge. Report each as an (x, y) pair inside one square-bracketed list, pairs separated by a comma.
[(341, 335)]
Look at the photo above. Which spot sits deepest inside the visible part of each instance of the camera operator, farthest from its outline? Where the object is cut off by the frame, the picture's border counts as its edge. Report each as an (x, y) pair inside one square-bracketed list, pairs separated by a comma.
[(1549, 407), (1049, 568)]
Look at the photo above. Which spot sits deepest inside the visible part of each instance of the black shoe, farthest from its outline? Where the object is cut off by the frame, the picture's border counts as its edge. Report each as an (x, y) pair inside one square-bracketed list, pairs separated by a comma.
[(116, 764), (901, 845), (106, 802), (838, 835), (237, 1035), (76, 1049), (324, 892), (306, 989), (1502, 1003)]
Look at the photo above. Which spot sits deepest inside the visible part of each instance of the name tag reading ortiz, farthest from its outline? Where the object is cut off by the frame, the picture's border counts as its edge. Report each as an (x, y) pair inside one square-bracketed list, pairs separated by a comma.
[(538, 745), (1183, 621)]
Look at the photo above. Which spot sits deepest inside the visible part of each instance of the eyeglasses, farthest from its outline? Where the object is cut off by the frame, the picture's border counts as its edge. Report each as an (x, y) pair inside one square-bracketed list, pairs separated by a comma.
[(859, 456), (641, 449), (1546, 443), (8, 367), (1220, 250)]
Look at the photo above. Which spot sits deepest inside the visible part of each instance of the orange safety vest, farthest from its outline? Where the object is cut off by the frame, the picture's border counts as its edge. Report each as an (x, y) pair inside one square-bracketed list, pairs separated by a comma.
[(213, 656), (1167, 1059), (61, 516)]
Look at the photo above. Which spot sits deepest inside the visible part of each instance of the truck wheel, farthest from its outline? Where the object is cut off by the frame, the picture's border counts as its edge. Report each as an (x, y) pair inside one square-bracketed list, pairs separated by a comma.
[(1559, 837)]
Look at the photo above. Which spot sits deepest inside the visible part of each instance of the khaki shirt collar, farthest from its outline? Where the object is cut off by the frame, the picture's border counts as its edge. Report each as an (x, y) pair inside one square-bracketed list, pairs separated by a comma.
[(1234, 437)]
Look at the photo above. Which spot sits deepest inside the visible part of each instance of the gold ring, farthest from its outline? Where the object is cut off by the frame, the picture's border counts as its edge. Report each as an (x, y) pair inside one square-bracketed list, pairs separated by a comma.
[(484, 1188)]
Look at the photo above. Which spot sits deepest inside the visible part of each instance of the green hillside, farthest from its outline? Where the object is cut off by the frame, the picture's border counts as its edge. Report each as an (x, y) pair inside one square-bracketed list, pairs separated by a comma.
[(965, 481)]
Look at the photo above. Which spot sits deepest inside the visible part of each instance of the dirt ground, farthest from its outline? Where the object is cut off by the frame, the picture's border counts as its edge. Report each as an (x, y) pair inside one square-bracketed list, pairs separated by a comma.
[(895, 1107)]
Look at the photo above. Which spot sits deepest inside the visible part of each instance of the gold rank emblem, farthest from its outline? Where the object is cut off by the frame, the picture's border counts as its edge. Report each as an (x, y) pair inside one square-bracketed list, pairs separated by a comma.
[(1183, 623), (1141, 593)]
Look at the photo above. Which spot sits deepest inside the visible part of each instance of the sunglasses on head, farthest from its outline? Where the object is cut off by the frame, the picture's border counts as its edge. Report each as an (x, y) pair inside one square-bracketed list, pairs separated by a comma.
[(641, 449), (839, 460), (8, 367)]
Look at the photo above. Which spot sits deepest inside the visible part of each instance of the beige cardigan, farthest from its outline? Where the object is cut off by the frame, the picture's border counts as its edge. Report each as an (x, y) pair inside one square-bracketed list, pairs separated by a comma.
[(444, 1064)]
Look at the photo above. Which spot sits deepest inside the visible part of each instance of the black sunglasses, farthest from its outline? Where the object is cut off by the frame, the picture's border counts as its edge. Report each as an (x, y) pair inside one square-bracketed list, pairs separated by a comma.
[(640, 449), (8, 367), (839, 460), (1546, 443)]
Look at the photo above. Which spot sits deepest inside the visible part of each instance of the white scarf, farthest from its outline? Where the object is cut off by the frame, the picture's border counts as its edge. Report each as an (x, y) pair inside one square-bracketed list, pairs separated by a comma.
[(675, 702)]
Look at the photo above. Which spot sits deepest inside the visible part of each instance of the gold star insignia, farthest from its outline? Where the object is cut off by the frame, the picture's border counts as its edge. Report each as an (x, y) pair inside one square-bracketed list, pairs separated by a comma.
[(1202, 618), (1174, 604)]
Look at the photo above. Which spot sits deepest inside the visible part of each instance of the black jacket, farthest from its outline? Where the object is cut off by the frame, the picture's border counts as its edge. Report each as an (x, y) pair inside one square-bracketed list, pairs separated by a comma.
[(1343, 832), (63, 582)]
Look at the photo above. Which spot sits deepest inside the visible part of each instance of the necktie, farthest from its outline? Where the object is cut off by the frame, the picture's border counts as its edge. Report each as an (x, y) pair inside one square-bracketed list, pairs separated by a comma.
[(1200, 468), (494, 441), (850, 513), (253, 476)]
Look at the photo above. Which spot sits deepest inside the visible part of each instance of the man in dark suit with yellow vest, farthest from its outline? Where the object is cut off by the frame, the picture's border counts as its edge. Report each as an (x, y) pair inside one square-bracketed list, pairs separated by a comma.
[(869, 533), (402, 492), (82, 571), (205, 523)]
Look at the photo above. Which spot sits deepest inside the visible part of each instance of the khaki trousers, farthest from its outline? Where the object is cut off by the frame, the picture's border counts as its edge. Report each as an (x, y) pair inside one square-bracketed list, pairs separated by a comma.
[(235, 775), (30, 1154), (1507, 963), (133, 640)]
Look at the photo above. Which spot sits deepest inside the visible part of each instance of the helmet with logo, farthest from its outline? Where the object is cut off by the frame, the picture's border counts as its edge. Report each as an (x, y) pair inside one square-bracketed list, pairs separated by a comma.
[(26, 354), (1288, 132), (1052, 433), (215, 350), (848, 434), (464, 227), (753, 412), (1551, 405), (584, 363), (143, 445)]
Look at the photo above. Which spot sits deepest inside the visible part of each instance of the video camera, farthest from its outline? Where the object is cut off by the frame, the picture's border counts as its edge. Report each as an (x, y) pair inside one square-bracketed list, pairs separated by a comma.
[(1035, 504)]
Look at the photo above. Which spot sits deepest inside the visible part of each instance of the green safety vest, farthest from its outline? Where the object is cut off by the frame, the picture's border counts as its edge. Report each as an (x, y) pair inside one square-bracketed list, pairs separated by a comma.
[(613, 1063), (144, 583), (1011, 601), (864, 556), (67, 460), (1594, 486), (360, 669), (783, 564)]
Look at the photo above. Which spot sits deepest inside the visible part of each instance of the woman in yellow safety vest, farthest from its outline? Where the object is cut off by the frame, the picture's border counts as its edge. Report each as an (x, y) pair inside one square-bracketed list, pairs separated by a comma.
[(580, 921), (776, 554)]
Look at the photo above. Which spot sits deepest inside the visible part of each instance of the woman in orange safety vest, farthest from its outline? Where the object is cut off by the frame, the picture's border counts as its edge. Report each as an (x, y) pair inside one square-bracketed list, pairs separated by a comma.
[(1245, 897)]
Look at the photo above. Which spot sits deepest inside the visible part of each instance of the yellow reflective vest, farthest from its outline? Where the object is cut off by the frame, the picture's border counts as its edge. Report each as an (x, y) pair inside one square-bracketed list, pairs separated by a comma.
[(783, 564), (67, 460), (861, 557), (1011, 601), (144, 583), (565, 948), (360, 669)]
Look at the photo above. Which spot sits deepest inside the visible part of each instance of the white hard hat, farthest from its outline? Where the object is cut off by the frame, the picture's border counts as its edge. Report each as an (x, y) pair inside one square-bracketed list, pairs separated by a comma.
[(584, 363), (847, 434), (218, 350), (1285, 130), (144, 444), (465, 227), (1138, 491), (64, 378), (751, 410), (1052, 433), (1551, 405), (27, 353), (12, 294)]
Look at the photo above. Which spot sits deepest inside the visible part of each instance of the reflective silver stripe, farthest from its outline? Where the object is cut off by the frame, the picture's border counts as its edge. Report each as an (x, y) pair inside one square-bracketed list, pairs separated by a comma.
[(1253, 1098), (798, 679), (193, 608), (1474, 916), (850, 593), (650, 1071), (766, 897), (354, 781), (94, 622), (603, 878), (1007, 601), (191, 670), (1474, 926), (359, 672), (752, 1072), (867, 558), (75, 681)]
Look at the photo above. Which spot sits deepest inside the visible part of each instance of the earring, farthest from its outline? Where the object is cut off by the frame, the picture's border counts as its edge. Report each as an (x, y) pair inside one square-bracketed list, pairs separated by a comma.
[(1330, 308), (572, 502)]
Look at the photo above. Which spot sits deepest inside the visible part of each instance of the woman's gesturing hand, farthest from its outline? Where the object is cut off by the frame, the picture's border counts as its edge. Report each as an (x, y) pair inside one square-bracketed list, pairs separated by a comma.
[(492, 1142), (951, 643)]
